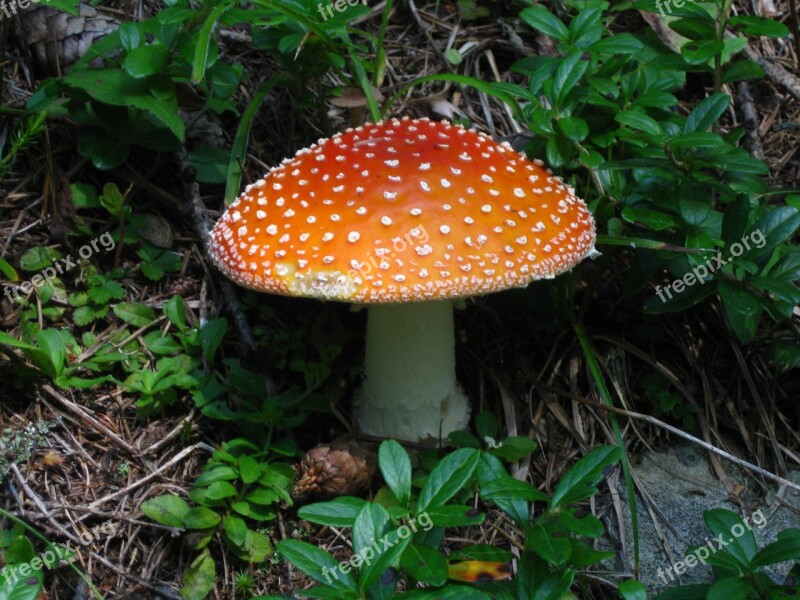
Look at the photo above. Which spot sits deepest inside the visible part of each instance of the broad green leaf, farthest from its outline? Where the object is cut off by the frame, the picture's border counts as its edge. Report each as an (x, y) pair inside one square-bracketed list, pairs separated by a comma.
[(168, 510), (424, 564), (741, 70), (135, 313), (454, 515), (369, 526), (13, 586), (554, 549), (509, 488), (514, 448), (779, 551), (116, 87), (741, 542), (543, 20), (754, 25), (236, 529), (587, 471), (653, 219), (249, 469), (341, 512), (220, 490), (201, 517), (199, 578), (395, 467), (385, 558), (640, 120), (706, 113), (447, 478), (743, 309), (729, 588), (633, 590), (146, 60), (317, 564)]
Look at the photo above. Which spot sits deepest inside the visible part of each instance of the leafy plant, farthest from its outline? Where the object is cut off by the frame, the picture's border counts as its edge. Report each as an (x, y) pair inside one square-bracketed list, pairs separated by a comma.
[(398, 535), (604, 110), (234, 498), (738, 565)]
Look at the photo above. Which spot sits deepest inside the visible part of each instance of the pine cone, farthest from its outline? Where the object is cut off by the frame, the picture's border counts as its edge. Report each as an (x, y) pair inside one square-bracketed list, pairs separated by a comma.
[(342, 468)]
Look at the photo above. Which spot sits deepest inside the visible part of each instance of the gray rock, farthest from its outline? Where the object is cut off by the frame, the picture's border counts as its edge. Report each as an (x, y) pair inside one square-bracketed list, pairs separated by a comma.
[(682, 486)]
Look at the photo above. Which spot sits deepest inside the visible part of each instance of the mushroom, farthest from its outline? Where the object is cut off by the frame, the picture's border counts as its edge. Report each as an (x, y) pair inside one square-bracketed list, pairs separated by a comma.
[(405, 216)]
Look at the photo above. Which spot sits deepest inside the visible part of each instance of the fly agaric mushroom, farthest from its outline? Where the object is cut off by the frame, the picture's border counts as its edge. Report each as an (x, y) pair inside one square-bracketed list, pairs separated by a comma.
[(406, 216)]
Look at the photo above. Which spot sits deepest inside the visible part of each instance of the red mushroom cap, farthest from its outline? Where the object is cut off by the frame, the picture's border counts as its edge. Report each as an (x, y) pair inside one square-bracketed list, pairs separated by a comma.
[(404, 210)]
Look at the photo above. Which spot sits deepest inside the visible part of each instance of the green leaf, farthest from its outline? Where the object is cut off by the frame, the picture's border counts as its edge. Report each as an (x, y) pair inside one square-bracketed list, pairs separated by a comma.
[(633, 590), (706, 113), (316, 563), (241, 140), (509, 488), (370, 573), (483, 552), (743, 309), (685, 592), (236, 529), (567, 75), (146, 60), (199, 578), (622, 43), (700, 52), (116, 87), (553, 549), (574, 128), (9, 271), (37, 258), (341, 512), (201, 517), (369, 526), (543, 20), (741, 542), (447, 478), (211, 336), (638, 119), (20, 588), (168, 510), (211, 164), (587, 471), (486, 424), (175, 310), (220, 490), (203, 43), (653, 219), (741, 70), (249, 469), (135, 313), (729, 588), (395, 467), (753, 25), (52, 344), (424, 564), (777, 552), (454, 515), (514, 448), (777, 226)]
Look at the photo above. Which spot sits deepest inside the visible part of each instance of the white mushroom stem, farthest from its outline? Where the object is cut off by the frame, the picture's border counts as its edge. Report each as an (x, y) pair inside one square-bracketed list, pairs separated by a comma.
[(410, 390)]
